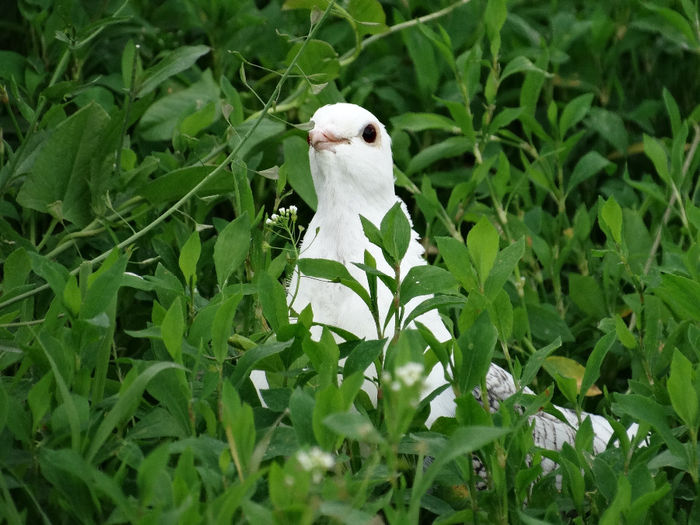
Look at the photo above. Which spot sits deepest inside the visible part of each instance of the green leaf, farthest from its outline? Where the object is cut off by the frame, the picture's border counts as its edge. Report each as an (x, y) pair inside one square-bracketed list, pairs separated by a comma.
[(426, 280), (536, 360), (590, 164), (368, 15), (252, 357), (610, 127), (476, 345), (396, 233), (623, 333), (448, 148), (456, 257), (362, 356), (129, 396), (221, 326), (297, 171), (519, 64), (656, 152), (595, 360), (505, 262), (198, 121), (329, 400), (586, 293), (103, 286), (354, 426), (482, 243), (674, 114), (273, 299), (334, 272), (71, 296), (189, 255), (172, 63), (324, 356), (69, 170), (231, 248), (161, 119), (318, 64), (611, 215), (681, 390), (574, 112), (237, 419), (301, 409), (682, 295), (172, 329), (423, 121)]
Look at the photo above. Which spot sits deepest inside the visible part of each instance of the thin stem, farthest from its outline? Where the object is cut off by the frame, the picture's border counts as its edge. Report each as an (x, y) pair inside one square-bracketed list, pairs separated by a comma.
[(348, 57)]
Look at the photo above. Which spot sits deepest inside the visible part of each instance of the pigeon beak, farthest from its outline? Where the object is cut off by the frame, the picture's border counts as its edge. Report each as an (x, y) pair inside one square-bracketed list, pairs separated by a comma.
[(320, 139)]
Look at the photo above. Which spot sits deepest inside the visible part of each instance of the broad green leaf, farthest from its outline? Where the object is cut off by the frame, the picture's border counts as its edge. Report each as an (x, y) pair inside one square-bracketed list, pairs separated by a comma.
[(610, 127), (318, 64), (162, 117), (546, 324), (505, 262), (16, 269), (482, 243), (127, 64), (611, 215), (172, 63), (362, 356), (198, 121), (501, 311), (682, 295), (175, 184), (505, 117), (368, 15), (642, 408), (426, 280), (674, 114), (448, 148), (476, 346), (623, 333), (251, 357), (231, 248), (519, 64), (334, 272), (623, 497), (456, 257), (589, 165), (586, 293), (172, 329), (574, 112), (189, 255), (396, 233), (656, 152), (681, 390), (70, 169), (462, 442)]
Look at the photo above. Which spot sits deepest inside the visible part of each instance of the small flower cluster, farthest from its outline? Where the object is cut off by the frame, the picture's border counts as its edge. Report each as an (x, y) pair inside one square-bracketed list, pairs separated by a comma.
[(282, 216), (315, 461), (406, 376)]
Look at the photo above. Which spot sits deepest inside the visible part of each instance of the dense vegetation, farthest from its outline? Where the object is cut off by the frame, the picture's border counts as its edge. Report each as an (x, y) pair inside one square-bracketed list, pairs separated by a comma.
[(548, 152)]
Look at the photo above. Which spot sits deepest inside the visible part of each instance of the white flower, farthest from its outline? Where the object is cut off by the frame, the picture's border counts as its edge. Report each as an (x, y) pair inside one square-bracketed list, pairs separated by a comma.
[(410, 374), (315, 461)]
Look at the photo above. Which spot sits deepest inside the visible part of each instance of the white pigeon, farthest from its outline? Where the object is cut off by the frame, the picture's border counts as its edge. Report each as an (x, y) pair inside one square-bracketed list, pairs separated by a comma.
[(352, 170)]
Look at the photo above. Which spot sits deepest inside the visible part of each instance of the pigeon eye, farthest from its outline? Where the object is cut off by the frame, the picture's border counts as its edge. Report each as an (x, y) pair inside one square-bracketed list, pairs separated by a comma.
[(369, 134), (308, 139)]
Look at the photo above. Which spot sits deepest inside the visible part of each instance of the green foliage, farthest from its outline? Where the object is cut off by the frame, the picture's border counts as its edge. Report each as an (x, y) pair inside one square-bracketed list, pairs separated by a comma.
[(548, 154)]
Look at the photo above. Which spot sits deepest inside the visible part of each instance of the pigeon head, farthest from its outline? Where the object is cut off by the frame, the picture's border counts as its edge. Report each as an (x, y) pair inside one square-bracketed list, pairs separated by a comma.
[(350, 155)]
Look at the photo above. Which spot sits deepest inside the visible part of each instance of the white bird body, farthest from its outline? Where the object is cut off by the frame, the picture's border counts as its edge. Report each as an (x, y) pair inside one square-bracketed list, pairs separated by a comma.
[(352, 170)]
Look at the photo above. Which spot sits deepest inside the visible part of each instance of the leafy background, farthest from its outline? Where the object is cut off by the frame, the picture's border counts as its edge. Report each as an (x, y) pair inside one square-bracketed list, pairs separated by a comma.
[(548, 152)]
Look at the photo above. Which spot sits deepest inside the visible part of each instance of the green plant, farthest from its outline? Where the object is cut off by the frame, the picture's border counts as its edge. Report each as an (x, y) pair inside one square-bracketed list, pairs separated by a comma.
[(550, 162)]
